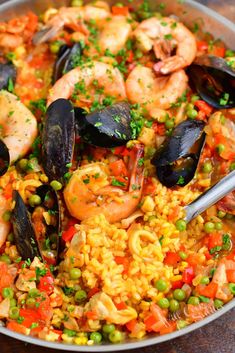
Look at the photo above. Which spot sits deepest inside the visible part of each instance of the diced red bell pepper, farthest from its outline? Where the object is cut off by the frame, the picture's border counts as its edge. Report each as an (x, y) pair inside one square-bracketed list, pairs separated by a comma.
[(215, 239), (204, 107), (202, 45), (172, 258), (230, 276), (209, 290), (68, 234), (188, 275), (46, 284), (131, 325), (121, 305), (118, 168), (177, 284), (120, 10)]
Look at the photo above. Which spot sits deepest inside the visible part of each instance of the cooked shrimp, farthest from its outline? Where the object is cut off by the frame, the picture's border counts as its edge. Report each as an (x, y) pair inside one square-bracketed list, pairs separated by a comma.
[(10, 41), (4, 226), (114, 34), (163, 36), (142, 86), (18, 126), (89, 191), (106, 77), (74, 16)]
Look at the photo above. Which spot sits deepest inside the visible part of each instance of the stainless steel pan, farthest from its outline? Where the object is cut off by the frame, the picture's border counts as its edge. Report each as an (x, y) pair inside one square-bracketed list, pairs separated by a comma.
[(189, 12)]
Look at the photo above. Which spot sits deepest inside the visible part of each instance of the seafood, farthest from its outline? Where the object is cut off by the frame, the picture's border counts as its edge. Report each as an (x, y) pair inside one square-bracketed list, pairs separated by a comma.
[(106, 77), (4, 158), (7, 75), (142, 86), (213, 80), (72, 16), (163, 36), (177, 158), (18, 126), (58, 139), (89, 191)]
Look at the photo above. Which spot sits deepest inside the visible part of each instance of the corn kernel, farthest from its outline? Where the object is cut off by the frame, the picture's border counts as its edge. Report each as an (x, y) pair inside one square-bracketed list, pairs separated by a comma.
[(44, 178), (67, 339)]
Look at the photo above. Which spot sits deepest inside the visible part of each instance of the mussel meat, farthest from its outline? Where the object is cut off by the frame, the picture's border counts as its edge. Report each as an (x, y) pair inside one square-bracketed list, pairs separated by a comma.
[(58, 139), (177, 158), (213, 80), (66, 60), (4, 158), (36, 230), (7, 74), (109, 127)]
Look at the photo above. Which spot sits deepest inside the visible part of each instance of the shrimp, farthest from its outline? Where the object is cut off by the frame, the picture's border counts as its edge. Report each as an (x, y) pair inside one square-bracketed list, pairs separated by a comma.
[(10, 41), (89, 191), (114, 34), (105, 75), (18, 126), (163, 36), (74, 16), (4, 225), (144, 87)]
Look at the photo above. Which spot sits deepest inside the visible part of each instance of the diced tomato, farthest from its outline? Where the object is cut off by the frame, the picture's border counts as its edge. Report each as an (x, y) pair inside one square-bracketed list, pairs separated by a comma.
[(174, 213), (149, 186), (121, 151), (32, 21), (201, 116), (130, 57), (217, 51), (30, 316), (159, 128), (172, 258), (149, 322), (46, 284), (120, 10), (208, 255), (91, 315), (121, 305), (131, 325), (202, 45), (14, 326), (7, 192), (6, 279), (68, 234), (118, 168), (215, 239), (231, 256), (230, 275), (99, 152), (204, 107), (209, 290), (188, 275), (177, 284), (44, 309), (193, 259), (121, 260), (93, 291)]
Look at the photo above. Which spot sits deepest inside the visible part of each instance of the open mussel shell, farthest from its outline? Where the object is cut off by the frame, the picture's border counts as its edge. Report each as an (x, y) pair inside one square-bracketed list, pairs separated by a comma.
[(177, 158), (7, 74), (58, 139), (109, 127), (34, 234), (213, 80), (4, 158), (66, 60)]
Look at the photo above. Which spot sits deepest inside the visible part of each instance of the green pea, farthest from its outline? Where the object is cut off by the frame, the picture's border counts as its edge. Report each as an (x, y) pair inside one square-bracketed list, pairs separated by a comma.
[(209, 227), (7, 292), (221, 214), (55, 46), (194, 98), (116, 336), (13, 302), (75, 3), (108, 328), (80, 296), (6, 216), (10, 237), (193, 300), (161, 285), (30, 302), (181, 225), (169, 123), (220, 148), (229, 53), (183, 255), (96, 337), (218, 303), (23, 164), (181, 324), (163, 303), (56, 185), (207, 167), (179, 294), (14, 313), (232, 166), (35, 200), (192, 113), (205, 280), (75, 273), (190, 106), (232, 288), (33, 293), (5, 258), (174, 305), (218, 225)]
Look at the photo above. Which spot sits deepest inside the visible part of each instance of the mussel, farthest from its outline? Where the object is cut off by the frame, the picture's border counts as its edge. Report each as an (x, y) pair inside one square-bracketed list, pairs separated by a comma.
[(7, 75), (4, 158), (109, 127), (58, 139), (66, 60), (36, 230), (177, 158), (213, 80)]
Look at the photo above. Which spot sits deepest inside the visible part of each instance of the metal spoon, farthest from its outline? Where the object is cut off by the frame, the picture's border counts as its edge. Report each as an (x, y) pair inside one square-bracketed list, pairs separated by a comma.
[(210, 197)]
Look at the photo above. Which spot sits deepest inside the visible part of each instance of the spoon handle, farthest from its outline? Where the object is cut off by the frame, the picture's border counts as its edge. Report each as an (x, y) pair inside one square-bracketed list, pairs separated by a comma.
[(210, 197)]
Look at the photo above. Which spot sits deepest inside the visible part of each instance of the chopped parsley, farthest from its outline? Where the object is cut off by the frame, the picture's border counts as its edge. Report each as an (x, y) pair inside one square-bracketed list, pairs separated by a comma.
[(40, 272), (181, 180), (10, 86), (225, 99), (116, 182)]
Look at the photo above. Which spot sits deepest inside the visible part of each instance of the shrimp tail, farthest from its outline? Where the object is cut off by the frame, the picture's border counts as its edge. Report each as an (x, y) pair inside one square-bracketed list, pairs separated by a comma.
[(45, 34), (169, 65), (136, 167)]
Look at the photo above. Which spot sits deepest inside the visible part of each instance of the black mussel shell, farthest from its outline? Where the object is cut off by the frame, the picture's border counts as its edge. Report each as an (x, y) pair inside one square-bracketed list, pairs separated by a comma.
[(66, 60), (109, 127), (7, 74), (24, 233), (28, 242), (177, 158), (213, 80), (58, 139), (4, 158)]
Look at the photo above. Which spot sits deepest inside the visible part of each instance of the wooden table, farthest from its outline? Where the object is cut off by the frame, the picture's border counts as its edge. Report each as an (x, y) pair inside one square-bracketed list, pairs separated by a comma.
[(217, 337)]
